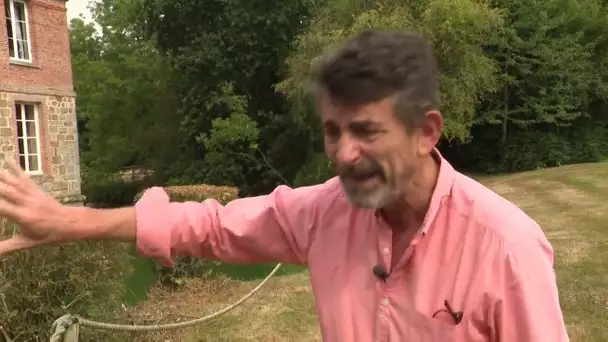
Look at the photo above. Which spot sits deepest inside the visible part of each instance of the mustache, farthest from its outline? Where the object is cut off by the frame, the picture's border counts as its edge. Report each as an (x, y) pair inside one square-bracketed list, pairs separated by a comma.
[(363, 169)]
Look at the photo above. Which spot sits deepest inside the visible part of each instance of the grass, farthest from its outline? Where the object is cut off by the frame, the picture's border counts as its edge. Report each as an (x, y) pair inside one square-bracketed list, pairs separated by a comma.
[(282, 311), (570, 203)]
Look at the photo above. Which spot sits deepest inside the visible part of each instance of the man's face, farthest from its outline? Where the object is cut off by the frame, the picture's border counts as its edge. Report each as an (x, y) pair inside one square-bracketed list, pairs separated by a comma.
[(375, 155)]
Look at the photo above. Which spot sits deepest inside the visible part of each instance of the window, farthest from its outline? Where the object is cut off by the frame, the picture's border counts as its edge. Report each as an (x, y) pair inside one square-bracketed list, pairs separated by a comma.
[(28, 137), (18, 30)]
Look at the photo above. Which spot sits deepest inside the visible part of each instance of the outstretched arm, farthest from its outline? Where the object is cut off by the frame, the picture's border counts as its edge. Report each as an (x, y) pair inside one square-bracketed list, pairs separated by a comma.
[(274, 227)]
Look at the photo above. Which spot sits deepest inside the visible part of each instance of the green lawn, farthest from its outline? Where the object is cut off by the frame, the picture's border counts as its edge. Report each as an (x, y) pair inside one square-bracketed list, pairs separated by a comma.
[(571, 204)]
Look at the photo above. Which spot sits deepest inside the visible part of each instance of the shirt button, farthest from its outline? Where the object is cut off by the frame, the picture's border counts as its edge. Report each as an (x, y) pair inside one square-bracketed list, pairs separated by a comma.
[(385, 302), (386, 251)]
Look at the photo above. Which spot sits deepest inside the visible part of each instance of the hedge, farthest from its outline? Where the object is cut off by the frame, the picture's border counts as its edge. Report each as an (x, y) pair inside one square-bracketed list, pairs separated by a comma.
[(199, 193), (40, 285)]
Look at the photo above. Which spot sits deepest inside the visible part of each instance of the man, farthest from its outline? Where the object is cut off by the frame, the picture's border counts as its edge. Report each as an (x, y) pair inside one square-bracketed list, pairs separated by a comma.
[(400, 246)]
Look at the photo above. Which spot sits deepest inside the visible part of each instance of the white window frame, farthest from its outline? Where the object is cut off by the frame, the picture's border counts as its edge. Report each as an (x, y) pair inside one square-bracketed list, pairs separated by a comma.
[(14, 25), (25, 138)]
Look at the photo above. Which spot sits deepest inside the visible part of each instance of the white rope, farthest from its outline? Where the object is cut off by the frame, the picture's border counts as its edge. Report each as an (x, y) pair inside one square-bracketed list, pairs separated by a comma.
[(63, 323)]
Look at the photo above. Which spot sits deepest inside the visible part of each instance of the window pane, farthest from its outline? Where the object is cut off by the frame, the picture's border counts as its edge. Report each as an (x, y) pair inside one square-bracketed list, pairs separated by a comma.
[(33, 163), (21, 146), (7, 11), (23, 53), (11, 48), (21, 30), (22, 27), (19, 11), (22, 163), (20, 129), (30, 128), (9, 28), (18, 108), (9, 31), (32, 147), (29, 112)]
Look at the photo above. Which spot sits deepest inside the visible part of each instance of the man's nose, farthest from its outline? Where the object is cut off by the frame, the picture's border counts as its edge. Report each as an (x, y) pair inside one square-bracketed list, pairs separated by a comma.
[(348, 150)]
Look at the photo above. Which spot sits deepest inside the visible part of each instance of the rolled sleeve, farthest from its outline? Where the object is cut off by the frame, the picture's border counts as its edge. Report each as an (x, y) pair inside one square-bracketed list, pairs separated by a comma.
[(153, 226)]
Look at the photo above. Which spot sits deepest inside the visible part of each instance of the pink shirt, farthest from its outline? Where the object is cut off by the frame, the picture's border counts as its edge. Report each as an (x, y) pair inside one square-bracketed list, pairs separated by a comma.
[(475, 250)]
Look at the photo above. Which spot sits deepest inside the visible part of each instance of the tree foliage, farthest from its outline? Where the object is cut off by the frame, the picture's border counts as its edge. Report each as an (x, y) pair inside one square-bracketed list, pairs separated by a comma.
[(546, 68), (455, 29), (243, 43), (215, 91), (124, 91)]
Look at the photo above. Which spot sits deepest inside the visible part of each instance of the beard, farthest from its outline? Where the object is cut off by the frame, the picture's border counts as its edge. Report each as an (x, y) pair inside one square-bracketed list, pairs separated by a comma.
[(366, 184)]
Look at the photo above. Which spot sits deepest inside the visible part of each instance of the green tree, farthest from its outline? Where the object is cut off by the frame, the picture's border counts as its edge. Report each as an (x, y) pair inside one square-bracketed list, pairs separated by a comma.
[(546, 67), (124, 92), (455, 29), (243, 43)]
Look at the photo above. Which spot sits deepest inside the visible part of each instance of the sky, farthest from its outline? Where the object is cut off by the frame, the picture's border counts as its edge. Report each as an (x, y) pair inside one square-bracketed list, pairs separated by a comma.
[(76, 7)]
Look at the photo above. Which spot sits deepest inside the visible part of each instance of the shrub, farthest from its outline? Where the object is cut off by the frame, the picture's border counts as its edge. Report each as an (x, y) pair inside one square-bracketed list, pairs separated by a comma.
[(199, 193), (40, 285), (111, 192)]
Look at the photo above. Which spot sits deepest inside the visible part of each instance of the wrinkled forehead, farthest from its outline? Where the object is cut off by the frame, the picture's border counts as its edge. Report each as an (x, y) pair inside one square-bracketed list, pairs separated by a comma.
[(380, 112)]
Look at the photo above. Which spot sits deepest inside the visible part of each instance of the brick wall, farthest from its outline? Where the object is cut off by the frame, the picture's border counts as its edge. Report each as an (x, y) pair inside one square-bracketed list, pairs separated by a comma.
[(58, 140), (50, 48), (47, 83)]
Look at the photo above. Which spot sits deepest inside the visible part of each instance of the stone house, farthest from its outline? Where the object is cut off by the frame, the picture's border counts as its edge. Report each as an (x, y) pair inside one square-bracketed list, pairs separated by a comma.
[(38, 123)]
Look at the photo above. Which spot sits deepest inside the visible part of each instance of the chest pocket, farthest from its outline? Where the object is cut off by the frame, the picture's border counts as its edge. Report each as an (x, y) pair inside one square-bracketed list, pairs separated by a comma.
[(420, 328)]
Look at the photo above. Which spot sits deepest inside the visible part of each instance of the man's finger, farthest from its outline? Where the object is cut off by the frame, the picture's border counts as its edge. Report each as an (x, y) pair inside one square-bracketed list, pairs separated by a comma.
[(11, 165), (10, 194), (17, 243), (7, 177), (22, 179), (8, 209)]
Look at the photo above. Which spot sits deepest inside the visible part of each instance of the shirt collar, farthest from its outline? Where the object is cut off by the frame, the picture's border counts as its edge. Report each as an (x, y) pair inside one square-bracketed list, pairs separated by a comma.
[(443, 188)]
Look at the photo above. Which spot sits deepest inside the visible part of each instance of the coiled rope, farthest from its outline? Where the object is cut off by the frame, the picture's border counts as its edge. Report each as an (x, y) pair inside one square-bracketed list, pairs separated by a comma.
[(62, 324)]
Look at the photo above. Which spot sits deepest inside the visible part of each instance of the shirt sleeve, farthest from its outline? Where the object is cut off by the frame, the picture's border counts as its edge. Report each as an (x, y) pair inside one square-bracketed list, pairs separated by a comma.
[(270, 228), (529, 308)]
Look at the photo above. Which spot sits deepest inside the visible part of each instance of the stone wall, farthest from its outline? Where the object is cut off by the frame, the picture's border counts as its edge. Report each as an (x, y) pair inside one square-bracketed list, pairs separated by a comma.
[(58, 140), (7, 145)]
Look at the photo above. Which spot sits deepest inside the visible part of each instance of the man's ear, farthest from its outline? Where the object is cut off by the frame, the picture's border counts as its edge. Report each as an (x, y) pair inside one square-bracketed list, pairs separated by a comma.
[(430, 132)]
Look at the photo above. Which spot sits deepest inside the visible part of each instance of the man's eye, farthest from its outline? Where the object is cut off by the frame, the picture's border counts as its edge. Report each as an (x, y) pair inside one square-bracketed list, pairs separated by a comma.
[(332, 132), (365, 133)]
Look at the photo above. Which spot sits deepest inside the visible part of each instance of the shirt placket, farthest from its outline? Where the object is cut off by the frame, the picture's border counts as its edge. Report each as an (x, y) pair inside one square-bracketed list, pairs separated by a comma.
[(384, 314), (385, 243), (409, 251)]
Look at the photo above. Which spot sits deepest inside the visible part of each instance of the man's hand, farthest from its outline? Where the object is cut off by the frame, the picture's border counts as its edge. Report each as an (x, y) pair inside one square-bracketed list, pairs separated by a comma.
[(39, 215)]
